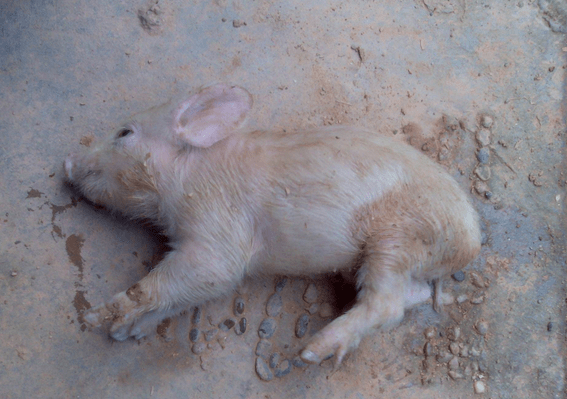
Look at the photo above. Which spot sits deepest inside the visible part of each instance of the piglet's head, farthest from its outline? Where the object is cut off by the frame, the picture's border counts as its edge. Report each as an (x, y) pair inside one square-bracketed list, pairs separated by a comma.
[(131, 170)]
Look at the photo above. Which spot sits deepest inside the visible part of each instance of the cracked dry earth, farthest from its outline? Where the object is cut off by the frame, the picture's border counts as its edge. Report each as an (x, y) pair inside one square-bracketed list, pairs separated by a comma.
[(477, 86)]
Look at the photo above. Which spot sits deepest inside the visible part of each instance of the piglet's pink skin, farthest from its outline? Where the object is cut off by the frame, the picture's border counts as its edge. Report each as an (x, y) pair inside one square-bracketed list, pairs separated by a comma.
[(235, 203)]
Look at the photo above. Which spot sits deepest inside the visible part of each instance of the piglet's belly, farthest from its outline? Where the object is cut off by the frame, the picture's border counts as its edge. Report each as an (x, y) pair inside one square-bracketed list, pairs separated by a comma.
[(308, 252)]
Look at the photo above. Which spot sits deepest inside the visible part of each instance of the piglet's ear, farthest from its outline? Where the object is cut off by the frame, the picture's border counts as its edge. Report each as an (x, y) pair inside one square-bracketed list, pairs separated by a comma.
[(211, 115)]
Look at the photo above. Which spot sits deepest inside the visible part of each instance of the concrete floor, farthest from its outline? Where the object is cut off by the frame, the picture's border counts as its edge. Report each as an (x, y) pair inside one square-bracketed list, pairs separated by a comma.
[(477, 85)]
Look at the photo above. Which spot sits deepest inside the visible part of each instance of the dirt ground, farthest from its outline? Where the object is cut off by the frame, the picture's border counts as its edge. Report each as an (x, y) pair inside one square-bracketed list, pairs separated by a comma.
[(477, 85)]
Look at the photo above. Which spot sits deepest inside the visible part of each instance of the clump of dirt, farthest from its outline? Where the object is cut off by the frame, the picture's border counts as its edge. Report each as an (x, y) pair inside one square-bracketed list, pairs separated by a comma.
[(442, 144), (135, 293), (555, 14), (152, 17), (86, 141)]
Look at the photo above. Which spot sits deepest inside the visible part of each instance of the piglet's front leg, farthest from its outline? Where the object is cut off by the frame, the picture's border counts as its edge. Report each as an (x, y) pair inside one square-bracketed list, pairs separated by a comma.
[(180, 280)]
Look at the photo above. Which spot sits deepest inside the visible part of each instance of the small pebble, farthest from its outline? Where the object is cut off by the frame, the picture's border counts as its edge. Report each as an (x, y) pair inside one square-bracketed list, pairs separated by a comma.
[(481, 187), (14, 273), (459, 276), (454, 348), (464, 351), (477, 300), (462, 298), (297, 362), (549, 326), (483, 155), (474, 367), (429, 332), (483, 172), (443, 356), (454, 333), (313, 308), (274, 305), (197, 313), (194, 335), (198, 348), (267, 328), (475, 351), (227, 324), (240, 327), (482, 327), (479, 387), (483, 137), (238, 306), (455, 375), (210, 334), (326, 310), (263, 370), (477, 280), (281, 284), (428, 349), (486, 121), (301, 325), (454, 363), (263, 348), (310, 294), (274, 360), (238, 23), (283, 369)]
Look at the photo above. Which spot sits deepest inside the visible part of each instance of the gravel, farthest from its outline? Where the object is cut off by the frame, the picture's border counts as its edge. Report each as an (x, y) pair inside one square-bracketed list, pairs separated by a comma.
[(194, 334), (483, 172), (479, 387), (210, 334), (430, 332), (240, 327), (310, 295), (454, 348), (482, 327), (297, 362), (459, 276), (281, 284), (238, 306), (227, 324), (486, 121), (274, 360), (283, 369), (263, 370), (267, 328), (274, 305), (198, 348), (483, 137), (301, 325), (454, 363), (197, 313), (263, 348), (454, 333)]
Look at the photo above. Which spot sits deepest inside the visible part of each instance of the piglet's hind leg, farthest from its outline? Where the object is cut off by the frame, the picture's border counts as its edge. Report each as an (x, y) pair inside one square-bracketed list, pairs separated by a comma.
[(386, 289)]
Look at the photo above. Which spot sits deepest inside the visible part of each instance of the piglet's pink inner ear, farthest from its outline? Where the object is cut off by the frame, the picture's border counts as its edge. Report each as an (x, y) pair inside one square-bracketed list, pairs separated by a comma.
[(211, 115)]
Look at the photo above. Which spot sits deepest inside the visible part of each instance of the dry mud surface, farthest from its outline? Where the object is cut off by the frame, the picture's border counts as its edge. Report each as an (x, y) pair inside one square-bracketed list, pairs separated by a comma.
[(479, 86)]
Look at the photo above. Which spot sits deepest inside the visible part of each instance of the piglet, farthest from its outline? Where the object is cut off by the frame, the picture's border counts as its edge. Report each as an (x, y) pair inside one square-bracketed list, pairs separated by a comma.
[(237, 203)]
